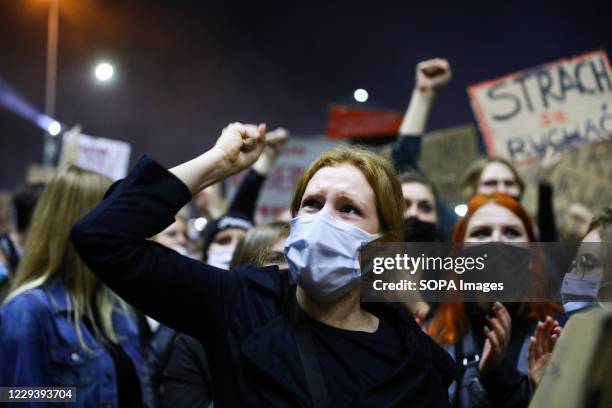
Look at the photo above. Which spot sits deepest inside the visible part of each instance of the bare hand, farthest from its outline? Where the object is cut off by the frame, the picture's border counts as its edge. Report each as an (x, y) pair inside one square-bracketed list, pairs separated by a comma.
[(241, 144), (275, 142), (548, 164), (277, 139), (541, 346), (432, 74), (498, 337)]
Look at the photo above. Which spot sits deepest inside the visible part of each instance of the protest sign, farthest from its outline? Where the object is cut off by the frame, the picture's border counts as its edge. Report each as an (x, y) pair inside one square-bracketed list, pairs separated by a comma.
[(564, 104), (445, 154), (280, 183), (105, 156), (346, 122), (583, 176)]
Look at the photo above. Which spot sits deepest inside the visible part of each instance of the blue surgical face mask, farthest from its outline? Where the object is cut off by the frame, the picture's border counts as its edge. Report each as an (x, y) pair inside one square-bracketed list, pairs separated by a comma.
[(581, 285), (323, 255)]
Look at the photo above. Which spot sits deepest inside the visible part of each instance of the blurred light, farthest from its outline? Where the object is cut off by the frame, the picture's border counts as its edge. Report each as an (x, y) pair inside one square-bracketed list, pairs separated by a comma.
[(360, 95), (461, 210), (54, 128), (104, 71), (200, 223)]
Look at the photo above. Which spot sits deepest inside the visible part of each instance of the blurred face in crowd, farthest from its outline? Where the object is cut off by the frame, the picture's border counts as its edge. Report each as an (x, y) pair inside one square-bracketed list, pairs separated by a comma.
[(589, 268), (420, 202), (589, 255), (593, 261), (175, 236), (228, 238), (495, 223), (344, 193), (277, 254), (497, 177)]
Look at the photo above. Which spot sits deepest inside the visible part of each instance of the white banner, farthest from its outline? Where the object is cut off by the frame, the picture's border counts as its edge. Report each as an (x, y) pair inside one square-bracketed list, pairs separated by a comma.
[(105, 156)]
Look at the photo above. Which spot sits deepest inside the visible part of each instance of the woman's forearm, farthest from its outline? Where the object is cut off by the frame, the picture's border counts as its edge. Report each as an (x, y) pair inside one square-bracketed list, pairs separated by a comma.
[(417, 113), (203, 171)]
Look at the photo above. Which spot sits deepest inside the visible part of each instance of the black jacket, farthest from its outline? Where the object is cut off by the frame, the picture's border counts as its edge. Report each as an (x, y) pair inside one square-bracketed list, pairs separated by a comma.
[(236, 315), (186, 379)]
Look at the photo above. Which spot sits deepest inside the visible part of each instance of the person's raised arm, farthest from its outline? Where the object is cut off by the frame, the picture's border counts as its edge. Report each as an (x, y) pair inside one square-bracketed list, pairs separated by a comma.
[(245, 200), (113, 241), (431, 75), (237, 148)]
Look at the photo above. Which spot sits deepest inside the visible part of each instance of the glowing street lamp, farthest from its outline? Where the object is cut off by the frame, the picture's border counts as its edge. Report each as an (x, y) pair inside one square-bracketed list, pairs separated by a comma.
[(104, 72), (360, 95), (54, 128)]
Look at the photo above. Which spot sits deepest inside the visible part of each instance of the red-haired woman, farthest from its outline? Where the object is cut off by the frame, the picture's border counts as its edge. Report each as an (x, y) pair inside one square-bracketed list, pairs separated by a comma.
[(491, 341)]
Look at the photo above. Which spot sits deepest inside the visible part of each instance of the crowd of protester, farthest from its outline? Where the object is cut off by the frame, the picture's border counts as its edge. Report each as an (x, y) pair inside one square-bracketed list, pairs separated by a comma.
[(104, 288)]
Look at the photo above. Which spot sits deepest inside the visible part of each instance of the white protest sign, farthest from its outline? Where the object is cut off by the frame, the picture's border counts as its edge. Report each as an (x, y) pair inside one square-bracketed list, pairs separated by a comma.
[(105, 156), (275, 195), (564, 104)]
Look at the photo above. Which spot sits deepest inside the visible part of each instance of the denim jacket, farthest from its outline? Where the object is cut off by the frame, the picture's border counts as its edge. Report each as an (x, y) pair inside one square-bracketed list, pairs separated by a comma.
[(39, 347)]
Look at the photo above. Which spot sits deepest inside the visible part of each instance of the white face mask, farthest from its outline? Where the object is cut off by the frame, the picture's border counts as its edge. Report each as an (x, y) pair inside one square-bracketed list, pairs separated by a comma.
[(180, 249), (323, 255), (221, 256), (583, 286)]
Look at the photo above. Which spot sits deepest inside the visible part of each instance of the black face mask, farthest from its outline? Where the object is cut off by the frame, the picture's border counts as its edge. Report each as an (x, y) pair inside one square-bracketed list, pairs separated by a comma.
[(416, 230), (505, 263)]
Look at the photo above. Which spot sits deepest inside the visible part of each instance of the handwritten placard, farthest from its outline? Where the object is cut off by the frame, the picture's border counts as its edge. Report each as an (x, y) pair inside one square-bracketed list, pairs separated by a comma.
[(105, 156), (564, 104)]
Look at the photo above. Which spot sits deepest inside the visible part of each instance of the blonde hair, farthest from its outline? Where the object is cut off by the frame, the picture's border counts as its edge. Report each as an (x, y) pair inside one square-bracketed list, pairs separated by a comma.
[(255, 247), (380, 176), (49, 254)]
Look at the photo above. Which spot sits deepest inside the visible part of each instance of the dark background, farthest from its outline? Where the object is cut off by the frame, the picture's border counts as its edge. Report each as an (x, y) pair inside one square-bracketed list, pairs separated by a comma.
[(184, 69)]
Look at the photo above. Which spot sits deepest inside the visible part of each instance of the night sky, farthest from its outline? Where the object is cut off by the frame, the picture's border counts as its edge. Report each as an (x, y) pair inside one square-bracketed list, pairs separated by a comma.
[(184, 69)]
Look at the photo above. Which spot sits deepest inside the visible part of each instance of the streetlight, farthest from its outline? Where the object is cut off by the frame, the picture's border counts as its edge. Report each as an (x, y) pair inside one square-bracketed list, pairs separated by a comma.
[(360, 95), (51, 145), (104, 72), (54, 128)]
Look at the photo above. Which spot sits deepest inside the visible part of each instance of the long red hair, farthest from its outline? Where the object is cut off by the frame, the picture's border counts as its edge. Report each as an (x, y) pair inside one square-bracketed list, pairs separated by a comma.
[(450, 322)]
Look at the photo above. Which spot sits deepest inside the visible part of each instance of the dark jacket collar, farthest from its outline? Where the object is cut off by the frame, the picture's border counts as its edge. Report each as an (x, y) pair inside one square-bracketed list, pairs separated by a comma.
[(268, 278)]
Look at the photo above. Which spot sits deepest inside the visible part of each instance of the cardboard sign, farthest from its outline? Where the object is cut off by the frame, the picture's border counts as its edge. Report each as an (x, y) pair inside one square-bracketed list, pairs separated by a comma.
[(105, 156), (445, 155), (278, 188), (582, 176), (564, 104), (345, 122)]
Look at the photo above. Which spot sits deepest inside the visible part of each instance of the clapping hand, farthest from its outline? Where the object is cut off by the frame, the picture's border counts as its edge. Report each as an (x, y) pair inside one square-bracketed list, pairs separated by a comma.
[(541, 346), (498, 337)]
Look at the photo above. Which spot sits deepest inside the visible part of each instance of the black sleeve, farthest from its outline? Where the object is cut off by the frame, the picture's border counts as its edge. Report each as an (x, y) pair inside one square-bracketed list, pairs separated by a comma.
[(246, 197), (186, 380), (546, 215), (405, 153), (175, 290), (507, 387)]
